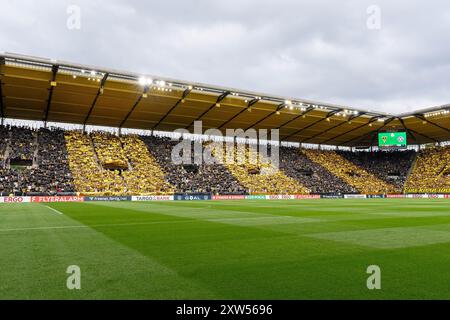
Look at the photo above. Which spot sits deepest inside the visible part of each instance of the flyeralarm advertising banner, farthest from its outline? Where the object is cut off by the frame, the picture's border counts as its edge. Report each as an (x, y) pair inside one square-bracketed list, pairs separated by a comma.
[(57, 199)]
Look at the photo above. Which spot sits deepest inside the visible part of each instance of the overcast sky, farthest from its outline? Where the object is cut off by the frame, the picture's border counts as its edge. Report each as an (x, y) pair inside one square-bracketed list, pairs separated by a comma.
[(321, 50)]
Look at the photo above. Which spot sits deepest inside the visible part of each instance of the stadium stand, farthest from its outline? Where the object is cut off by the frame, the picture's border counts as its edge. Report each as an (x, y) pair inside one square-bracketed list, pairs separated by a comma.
[(54, 161), (261, 176), (52, 174), (359, 178), (431, 171), (21, 147), (4, 141), (145, 175), (106, 164), (295, 164), (88, 175), (34, 162), (389, 166), (108, 148), (192, 178)]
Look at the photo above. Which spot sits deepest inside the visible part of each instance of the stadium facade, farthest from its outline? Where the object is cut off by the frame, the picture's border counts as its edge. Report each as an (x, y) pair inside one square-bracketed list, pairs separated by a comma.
[(45, 161)]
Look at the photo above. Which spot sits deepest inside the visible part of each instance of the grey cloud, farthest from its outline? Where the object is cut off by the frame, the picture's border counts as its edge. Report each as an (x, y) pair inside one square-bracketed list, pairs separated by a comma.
[(308, 49)]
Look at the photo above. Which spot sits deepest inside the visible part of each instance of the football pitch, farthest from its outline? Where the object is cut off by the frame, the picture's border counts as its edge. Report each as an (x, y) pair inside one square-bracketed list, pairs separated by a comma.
[(258, 249)]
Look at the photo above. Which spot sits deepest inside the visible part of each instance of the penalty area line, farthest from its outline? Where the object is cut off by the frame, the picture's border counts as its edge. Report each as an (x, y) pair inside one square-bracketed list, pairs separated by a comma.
[(54, 210)]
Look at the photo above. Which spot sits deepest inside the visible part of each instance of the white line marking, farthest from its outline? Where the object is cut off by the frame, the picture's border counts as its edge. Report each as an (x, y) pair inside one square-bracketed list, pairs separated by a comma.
[(97, 225), (54, 210)]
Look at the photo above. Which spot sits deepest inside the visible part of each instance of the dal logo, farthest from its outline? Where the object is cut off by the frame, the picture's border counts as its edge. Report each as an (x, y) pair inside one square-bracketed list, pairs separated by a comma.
[(384, 138)]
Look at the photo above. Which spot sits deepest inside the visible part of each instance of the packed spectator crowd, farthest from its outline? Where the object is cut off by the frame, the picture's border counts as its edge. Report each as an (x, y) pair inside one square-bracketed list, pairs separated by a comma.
[(363, 181), (46, 170), (389, 166), (145, 176), (259, 175), (22, 146), (53, 161), (316, 178), (88, 174), (190, 177), (4, 139), (108, 148), (105, 164), (431, 172)]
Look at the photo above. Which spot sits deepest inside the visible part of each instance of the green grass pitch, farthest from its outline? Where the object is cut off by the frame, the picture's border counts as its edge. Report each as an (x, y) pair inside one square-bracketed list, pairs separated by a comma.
[(293, 249)]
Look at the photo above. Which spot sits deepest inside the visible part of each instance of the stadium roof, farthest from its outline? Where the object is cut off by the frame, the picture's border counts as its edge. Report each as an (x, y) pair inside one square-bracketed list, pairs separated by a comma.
[(57, 91)]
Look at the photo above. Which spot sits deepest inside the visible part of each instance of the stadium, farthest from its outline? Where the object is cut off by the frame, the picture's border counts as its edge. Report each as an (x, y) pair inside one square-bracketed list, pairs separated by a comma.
[(87, 180)]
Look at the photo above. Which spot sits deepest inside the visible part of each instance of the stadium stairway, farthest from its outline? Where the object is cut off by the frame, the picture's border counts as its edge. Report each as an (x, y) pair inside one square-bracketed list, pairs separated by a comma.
[(362, 180), (89, 177), (410, 171), (145, 176)]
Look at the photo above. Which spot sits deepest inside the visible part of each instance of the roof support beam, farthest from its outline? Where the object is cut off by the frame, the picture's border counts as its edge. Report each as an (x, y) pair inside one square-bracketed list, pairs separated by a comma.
[(99, 92), (423, 135), (329, 114), (279, 107), (334, 127), (146, 88), (373, 131), (303, 114), (219, 99), (406, 128), (249, 104), (50, 93), (373, 119), (421, 117), (181, 100)]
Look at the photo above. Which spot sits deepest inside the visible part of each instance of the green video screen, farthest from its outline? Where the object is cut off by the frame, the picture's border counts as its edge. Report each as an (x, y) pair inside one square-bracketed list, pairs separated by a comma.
[(392, 139)]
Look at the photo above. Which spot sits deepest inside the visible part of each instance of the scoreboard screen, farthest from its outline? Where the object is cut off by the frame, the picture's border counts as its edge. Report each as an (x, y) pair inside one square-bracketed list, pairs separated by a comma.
[(392, 139)]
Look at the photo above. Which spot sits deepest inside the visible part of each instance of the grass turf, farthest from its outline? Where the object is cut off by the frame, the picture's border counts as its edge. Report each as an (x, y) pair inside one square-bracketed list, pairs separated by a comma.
[(293, 249)]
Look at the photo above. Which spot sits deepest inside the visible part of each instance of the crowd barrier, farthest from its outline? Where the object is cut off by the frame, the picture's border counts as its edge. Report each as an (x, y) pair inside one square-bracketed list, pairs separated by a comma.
[(208, 196)]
